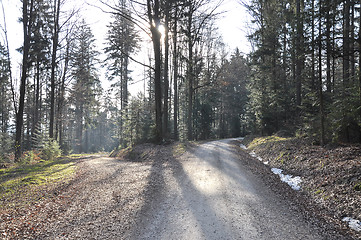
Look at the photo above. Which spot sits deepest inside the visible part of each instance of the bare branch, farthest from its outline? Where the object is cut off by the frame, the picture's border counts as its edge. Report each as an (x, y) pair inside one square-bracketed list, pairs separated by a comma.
[(9, 59), (117, 11)]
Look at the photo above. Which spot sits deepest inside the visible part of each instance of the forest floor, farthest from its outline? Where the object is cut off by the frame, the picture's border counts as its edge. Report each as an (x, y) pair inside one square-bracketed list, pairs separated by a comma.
[(110, 198), (331, 175)]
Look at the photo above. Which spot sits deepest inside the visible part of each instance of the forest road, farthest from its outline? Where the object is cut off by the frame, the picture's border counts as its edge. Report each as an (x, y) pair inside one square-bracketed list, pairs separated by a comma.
[(208, 194)]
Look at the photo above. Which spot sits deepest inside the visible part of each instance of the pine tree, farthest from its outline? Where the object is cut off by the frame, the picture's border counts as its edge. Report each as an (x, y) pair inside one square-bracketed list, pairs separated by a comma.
[(122, 41), (86, 83)]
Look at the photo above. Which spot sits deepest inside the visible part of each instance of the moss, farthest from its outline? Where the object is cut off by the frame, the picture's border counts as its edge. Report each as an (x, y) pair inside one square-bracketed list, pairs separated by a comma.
[(263, 140), (23, 177)]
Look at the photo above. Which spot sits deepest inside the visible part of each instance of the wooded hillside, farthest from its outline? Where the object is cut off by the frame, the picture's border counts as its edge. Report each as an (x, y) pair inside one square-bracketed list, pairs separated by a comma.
[(301, 77)]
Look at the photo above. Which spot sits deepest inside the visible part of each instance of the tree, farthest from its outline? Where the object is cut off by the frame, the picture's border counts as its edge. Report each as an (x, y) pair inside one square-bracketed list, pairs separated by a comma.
[(28, 8), (5, 102), (122, 41), (154, 15), (55, 43), (86, 83)]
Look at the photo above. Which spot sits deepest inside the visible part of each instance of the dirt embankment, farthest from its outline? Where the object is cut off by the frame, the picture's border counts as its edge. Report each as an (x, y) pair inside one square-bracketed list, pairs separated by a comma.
[(331, 175)]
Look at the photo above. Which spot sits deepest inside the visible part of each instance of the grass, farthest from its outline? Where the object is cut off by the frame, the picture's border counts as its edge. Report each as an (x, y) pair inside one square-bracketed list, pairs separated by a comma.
[(283, 157), (263, 140), (20, 180)]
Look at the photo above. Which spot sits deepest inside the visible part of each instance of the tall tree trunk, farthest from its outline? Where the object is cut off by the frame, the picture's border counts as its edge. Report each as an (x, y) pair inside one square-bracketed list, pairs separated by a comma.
[(346, 43), (36, 100), (359, 60), (320, 84), (27, 23), (313, 70), (61, 100), (299, 51), (190, 76), (53, 66), (154, 21), (352, 44), (346, 65), (166, 71), (175, 74), (328, 47)]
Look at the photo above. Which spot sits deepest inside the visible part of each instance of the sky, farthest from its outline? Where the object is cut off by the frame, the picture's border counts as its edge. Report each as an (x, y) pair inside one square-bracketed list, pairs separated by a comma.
[(232, 26)]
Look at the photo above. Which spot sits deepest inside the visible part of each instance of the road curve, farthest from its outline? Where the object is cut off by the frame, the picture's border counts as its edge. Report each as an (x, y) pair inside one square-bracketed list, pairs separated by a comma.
[(209, 195)]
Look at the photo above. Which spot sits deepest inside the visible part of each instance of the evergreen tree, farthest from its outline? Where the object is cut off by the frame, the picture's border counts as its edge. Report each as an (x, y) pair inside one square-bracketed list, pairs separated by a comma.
[(86, 84), (122, 41), (5, 104)]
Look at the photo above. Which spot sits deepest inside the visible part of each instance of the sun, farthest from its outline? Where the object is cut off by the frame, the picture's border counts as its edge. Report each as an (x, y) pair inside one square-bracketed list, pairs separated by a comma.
[(161, 30)]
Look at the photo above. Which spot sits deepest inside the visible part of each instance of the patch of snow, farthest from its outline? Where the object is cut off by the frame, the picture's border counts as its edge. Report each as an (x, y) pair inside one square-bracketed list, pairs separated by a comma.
[(293, 182), (353, 223), (253, 154), (243, 147), (277, 171)]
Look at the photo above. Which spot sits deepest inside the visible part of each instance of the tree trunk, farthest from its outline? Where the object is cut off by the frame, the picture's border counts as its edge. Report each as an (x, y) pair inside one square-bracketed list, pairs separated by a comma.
[(352, 44), (346, 43), (299, 52), (359, 74), (53, 66), (346, 66), (328, 47), (320, 84), (175, 75), (154, 20), (190, 76), (313, 70), (61, 100), (166, 71), (36, 101), (27, 16)]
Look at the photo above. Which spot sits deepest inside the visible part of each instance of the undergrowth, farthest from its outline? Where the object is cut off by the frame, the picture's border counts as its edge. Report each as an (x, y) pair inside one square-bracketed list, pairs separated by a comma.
[(20, 182), (263, 140)]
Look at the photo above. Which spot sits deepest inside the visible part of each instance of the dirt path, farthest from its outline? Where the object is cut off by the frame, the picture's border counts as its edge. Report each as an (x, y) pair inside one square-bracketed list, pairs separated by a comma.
[(102, 204), (209, 195)]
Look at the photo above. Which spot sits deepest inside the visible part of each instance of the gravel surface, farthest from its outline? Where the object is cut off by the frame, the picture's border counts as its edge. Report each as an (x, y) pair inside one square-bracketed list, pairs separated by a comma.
[(213, 191)]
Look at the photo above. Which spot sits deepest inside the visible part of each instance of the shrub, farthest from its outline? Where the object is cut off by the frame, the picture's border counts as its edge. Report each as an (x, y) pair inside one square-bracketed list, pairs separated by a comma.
[(51, 150), (30, 157)]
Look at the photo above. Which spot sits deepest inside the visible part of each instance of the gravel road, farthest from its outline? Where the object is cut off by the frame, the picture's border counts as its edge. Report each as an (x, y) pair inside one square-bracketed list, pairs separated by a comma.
[(209, 195), (213, 191)]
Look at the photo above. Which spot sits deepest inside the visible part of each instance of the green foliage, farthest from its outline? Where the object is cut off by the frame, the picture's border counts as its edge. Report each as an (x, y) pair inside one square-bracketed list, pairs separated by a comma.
[(51, 150), (345, 116), (289, 79), (264, 140), (21, 179), (30, 157), (5, 107)]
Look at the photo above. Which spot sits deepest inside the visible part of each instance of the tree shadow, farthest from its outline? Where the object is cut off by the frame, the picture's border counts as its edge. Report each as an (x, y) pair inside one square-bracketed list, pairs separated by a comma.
[(157, 212)]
